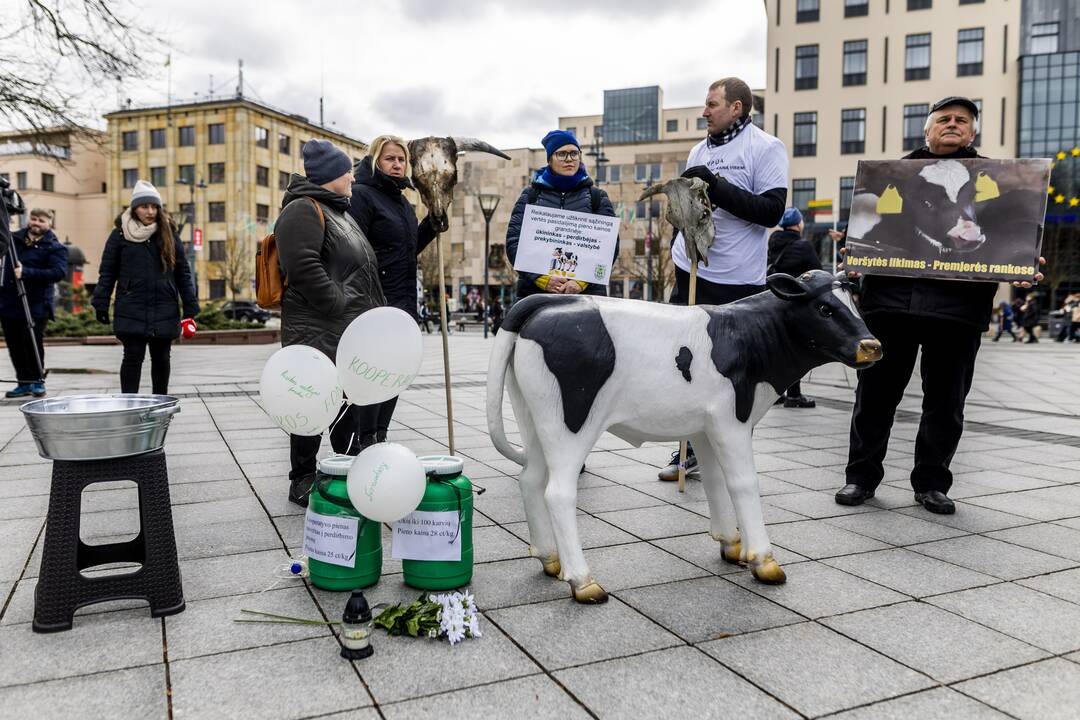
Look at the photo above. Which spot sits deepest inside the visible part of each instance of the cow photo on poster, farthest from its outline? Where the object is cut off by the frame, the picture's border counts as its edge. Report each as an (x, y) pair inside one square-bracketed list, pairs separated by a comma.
[(564, 243), (967, 219)]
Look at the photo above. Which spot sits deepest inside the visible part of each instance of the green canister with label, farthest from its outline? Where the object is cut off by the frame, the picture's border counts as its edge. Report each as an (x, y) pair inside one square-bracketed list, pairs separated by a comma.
[(329, 508), (448, 491)]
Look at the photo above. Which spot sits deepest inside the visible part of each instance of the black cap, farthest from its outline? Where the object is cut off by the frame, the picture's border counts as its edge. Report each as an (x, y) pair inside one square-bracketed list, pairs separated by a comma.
[(957, 100)]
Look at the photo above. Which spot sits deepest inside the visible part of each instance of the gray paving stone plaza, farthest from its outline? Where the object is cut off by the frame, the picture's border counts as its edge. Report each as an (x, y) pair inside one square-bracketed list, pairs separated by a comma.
[(888, 612)]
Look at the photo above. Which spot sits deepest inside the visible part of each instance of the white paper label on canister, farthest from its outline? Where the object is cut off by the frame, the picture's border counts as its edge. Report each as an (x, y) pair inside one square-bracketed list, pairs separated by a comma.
[(331, 538), (424, 535)]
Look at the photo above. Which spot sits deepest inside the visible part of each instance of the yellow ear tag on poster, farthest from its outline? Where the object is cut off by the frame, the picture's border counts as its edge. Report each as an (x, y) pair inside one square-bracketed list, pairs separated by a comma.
[(985, 188), (890, 202)]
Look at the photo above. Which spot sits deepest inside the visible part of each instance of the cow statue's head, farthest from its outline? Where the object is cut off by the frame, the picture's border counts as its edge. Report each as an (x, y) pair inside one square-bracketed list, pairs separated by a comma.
[(822, 318), (434, 170), (689, 210)]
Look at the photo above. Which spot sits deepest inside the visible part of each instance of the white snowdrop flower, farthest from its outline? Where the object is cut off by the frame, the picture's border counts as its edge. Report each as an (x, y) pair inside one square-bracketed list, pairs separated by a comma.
[(456, 632), (474, 626)]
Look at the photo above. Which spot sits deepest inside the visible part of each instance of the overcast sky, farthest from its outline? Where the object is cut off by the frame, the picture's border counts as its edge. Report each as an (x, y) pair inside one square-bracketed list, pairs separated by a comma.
[(502, 71)]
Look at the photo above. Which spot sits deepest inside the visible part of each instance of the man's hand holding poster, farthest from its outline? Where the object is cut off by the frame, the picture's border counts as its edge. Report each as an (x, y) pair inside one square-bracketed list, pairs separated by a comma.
[(967, 219), (563, 243)]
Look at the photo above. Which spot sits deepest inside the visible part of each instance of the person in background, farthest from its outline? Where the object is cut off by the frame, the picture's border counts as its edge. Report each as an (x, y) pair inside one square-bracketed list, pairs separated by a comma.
[(388, 221), (1029, 318), (333, 277), (41, 263), (144, 261), (496, 316), (1005, 321), (1070, 319), (789, 253)]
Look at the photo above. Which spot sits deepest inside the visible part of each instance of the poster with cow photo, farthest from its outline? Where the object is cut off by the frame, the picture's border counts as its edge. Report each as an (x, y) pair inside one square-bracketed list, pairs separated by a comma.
[(965, 219)]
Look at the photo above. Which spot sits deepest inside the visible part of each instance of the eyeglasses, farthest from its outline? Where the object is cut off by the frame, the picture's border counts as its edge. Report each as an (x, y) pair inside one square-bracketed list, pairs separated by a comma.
[(567, 155)]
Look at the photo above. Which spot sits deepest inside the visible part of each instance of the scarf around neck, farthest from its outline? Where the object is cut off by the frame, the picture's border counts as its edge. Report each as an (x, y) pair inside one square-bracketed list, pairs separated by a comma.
[(725, 136), (134, 230), (562, 183)]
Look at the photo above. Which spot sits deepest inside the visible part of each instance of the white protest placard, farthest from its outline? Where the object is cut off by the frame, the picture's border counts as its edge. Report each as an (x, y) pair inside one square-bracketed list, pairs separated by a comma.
[(331, 538), (422, 535), (564, 243)]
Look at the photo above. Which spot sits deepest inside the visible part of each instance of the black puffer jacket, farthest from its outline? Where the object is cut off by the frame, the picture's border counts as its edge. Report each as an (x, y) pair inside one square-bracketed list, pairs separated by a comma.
[(577, 199), (968, 303), (789, 253), (389, 222), (331, 271), (148, 296)]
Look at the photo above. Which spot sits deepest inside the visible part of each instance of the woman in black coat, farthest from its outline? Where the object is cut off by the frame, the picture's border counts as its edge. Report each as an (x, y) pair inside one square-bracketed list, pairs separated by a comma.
[(389, 223), (144, 260)]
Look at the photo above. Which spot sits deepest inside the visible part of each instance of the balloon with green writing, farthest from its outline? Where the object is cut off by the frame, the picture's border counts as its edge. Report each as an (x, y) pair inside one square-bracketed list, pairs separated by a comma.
[(386, 482), (300, 390), (379, 355)]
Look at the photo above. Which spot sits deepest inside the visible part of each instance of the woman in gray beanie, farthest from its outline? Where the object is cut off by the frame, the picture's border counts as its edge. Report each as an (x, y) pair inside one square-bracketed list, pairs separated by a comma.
[(144, 260), (332, 276)]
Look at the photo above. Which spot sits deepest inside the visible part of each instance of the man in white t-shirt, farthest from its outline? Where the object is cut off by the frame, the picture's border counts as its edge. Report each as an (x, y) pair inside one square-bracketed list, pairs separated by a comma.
[(746, 170)]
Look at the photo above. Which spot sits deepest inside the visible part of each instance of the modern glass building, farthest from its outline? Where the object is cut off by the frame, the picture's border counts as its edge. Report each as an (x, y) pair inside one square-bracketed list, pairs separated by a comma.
[(632, 115)]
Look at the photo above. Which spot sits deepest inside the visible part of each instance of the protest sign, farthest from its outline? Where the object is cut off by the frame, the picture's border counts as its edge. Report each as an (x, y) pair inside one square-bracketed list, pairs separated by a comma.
[(952, 219), (563, 243), (424, 535)]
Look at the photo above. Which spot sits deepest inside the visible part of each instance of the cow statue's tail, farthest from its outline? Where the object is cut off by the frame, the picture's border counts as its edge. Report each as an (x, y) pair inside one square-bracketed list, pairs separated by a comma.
[(501, 355)]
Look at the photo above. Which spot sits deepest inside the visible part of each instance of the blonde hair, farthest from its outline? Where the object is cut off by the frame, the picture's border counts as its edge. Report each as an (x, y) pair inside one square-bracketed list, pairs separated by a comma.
[(376, 147)]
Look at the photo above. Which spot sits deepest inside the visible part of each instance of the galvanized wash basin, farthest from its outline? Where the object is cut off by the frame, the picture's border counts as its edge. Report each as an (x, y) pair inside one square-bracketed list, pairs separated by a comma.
[(98, 427)]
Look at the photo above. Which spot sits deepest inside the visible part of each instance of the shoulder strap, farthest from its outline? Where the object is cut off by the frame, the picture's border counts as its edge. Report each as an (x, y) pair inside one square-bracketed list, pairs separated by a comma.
[(594, 193), (772, 266), (322, 218)]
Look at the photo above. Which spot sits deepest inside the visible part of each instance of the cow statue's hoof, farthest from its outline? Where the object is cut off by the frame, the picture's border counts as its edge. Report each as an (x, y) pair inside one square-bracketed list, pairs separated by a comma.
[(730, 549), (589, 594), (768, 571), (552, 568)]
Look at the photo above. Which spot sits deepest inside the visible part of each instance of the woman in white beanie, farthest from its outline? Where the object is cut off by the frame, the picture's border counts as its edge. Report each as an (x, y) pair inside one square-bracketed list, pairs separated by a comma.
[(144, 260)]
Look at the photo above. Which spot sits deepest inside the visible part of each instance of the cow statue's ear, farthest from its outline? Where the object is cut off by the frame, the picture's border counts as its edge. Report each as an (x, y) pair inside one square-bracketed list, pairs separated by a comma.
[(786, 287)]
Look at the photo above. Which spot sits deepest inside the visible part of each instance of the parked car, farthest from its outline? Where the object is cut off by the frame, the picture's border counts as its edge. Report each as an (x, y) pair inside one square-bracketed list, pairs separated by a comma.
[(245, 310)]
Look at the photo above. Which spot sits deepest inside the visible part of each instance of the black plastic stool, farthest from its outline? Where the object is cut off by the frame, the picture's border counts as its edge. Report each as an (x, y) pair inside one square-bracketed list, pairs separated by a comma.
[(62, 588)]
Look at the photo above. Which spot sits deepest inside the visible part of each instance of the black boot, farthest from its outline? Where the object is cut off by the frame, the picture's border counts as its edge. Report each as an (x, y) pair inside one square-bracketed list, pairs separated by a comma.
[(300, 488)]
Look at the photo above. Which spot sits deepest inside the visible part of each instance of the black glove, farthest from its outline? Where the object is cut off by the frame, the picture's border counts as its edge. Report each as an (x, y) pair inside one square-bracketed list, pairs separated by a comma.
[(436, 225), (103, 317), (713, 181)]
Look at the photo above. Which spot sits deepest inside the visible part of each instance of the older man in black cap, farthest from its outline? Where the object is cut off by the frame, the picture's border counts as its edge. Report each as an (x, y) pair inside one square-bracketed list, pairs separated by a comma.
[(943, 318)]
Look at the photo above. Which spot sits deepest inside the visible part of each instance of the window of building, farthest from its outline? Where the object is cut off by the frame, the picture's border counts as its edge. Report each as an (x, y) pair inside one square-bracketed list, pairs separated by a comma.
[(215, 173), (262, 213), (856, 8), (639, 247), (680, 167), (847, 189), (20, 181), (283, 180), (187, 212), (920, 4), (614, 173), (284, 143), (914, 121), (131, 176), (262, 176), (806, 67), (642, 208), (48, 182), (262, 137), (917, 57), (646, 172), (217, 250), (971, 2), (672, 125), (807, 10), (758, 119), (216, 211), (129, 140), (855, 62), (852, 131), (157, 138), (632, 115), (157, 177), (187, 136), (969, 52), (803, 191), (5, 176), (185, 174), (805, 134), (1044, 38), (217, 288), (215, 133), (702, 124), (598, 130)]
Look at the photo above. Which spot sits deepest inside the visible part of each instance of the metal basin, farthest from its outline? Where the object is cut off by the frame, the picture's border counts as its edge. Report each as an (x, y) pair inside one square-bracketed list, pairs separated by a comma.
[(98, 427)]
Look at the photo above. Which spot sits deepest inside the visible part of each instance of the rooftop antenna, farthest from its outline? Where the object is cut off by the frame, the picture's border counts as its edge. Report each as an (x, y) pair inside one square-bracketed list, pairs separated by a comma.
[(211, 91), (240, 79), (322, 85)]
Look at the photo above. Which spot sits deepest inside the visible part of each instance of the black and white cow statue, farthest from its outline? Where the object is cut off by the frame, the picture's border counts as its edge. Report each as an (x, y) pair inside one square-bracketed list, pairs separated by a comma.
[(576, 366)]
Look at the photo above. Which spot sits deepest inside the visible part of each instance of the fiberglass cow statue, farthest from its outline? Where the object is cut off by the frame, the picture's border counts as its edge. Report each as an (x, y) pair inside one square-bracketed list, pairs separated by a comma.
[(576, 366)]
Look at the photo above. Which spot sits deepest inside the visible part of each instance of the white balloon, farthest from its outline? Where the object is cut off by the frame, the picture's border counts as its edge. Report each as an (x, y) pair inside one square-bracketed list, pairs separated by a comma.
[(300, 390), (386, 482), (379, 355)]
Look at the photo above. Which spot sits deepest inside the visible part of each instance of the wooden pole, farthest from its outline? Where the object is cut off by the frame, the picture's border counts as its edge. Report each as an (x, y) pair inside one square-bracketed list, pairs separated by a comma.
[(683, 444), (445, 328)]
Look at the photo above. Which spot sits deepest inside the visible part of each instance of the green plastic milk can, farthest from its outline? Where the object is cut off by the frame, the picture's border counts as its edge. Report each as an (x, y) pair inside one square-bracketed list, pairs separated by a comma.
[(447, 491), (330, 498)]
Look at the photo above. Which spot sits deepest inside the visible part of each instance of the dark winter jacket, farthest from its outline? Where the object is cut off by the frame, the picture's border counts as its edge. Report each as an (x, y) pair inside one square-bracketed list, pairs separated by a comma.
[(389, 223), (789, 253), (332, 271), (44, 263), (148, 296), (968, 303), (577, 199)]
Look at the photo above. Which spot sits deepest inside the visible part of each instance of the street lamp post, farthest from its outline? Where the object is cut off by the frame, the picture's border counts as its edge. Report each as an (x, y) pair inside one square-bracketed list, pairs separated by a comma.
[(488, 202), (648, 241), (191, 221), (597, 152)]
